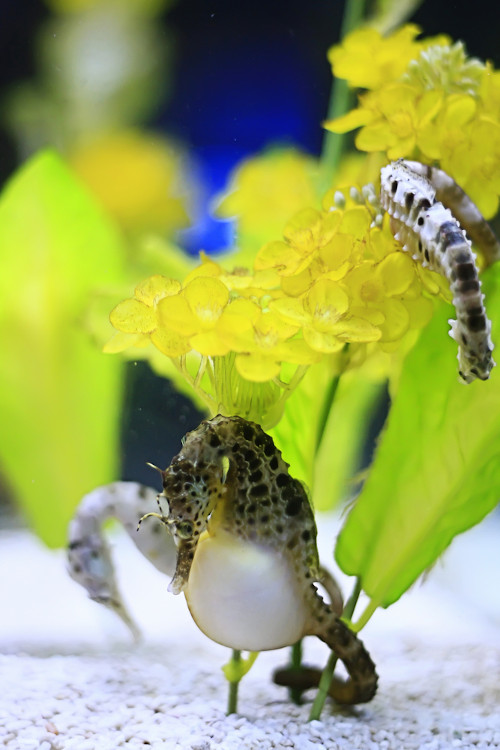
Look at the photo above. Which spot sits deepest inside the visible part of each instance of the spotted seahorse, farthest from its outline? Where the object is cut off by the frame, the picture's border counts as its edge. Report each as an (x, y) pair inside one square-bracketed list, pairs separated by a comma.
[(410, 194), (247, 558)]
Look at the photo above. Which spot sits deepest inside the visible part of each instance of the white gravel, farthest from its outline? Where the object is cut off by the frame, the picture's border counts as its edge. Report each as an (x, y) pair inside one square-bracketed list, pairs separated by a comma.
[(71, 678)]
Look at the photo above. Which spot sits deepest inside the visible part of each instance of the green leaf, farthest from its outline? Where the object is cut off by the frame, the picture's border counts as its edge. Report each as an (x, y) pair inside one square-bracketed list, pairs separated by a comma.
[(60, 397), (237, 668), (299, 431), (344, 438), (436, 471)]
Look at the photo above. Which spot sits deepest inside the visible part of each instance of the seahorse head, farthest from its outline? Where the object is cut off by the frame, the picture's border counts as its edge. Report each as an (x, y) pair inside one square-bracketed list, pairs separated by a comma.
[(192, 488)]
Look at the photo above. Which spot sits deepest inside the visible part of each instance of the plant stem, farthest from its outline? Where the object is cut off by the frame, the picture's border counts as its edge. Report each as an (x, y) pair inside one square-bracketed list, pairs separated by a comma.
[(325, 412), (340, 99), (232, 700), (365, 616), (296, 665), (327, 675), (352, 601), (323, 687)]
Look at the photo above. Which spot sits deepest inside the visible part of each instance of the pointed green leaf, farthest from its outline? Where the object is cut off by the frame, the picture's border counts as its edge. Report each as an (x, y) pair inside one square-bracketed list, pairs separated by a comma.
[(344, 438), (437, 470), (299, 431), (60, 396)]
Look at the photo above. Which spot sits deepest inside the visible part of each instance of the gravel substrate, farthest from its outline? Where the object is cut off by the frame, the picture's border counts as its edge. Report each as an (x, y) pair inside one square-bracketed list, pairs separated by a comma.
[(71, 678), (444, 699)]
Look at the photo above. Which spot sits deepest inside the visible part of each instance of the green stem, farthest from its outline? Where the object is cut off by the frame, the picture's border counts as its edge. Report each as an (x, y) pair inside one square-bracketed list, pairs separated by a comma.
[(296, 665), (350, 605), (340, 99), (327, 674), (365, 616), (325, 412), (323, 687), (232, 700)]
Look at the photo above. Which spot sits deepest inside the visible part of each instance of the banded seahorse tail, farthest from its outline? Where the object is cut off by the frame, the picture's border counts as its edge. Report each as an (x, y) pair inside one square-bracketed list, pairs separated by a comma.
[(463, 208), (361, 685), (306, 678), (432, 235)]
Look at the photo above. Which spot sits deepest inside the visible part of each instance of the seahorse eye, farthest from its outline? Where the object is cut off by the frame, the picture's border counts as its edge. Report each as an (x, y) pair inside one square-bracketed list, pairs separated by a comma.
[(185, 530)]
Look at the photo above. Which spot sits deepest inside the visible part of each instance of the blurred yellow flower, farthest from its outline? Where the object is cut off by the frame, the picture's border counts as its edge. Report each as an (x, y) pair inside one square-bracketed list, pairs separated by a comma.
[(137, 177), (366, 59), (265, 191)]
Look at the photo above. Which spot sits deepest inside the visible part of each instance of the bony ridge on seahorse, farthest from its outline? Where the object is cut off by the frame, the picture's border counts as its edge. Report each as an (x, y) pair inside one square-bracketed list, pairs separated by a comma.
[(247, 558)]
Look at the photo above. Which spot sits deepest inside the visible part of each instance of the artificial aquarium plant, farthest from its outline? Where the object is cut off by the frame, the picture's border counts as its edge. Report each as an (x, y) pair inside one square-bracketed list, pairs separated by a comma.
[(299, 342), (289, 345)]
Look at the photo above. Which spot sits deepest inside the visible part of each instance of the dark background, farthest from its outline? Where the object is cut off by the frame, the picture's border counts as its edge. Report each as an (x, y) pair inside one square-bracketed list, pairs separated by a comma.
[(248, 73)]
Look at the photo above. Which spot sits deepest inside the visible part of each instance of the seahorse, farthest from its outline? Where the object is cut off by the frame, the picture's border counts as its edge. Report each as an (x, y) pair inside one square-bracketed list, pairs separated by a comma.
[(431, 233), (88, 553), (247, 557)]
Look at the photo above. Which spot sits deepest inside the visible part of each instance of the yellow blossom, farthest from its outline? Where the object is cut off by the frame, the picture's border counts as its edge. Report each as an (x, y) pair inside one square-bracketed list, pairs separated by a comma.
[(265, 191), (137, 319), (391, 119), (250, 335), (137, 177), (263, 345), (367, 60), (441, 107)]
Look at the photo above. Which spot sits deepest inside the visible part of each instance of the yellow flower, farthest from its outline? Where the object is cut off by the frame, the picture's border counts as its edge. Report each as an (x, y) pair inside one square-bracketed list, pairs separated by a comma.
[(325, 239), (137, 178), (441, 107), (368, 60), (391, 119), (471, 155), (243, 339), (137, 319), (262, 346), (265, 191), (324, 315)]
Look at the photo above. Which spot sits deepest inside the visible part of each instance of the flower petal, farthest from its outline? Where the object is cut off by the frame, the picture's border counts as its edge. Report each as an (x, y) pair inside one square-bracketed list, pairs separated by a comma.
[(257, 368), (132, 316), (175, 314), (170, 343), (152, 290)]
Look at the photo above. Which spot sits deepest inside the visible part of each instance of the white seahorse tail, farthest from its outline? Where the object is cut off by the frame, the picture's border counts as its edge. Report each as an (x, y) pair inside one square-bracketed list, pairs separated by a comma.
[(432, 235), (88, 553)]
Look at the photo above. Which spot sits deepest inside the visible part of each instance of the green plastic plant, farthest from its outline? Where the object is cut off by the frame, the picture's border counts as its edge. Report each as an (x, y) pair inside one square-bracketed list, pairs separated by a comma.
[(305, 338), (60, 399)]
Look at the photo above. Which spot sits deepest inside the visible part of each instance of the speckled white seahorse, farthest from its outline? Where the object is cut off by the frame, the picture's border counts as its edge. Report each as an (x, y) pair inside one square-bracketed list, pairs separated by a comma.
[(414, 196), (89, 558)]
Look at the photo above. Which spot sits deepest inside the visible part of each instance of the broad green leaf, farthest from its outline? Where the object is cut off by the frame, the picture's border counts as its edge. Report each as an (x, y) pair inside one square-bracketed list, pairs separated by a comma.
[(60, 397), (437, 470)]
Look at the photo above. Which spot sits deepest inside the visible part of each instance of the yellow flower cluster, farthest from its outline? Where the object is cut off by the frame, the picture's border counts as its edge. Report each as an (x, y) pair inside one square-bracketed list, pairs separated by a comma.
[(426, 100), (213, 313), (334, 279), (345, 280)]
